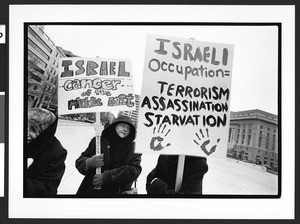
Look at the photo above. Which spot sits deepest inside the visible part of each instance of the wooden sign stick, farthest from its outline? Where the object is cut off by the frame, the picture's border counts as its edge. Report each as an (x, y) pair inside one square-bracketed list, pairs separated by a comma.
[(98, 128), (179, 174)]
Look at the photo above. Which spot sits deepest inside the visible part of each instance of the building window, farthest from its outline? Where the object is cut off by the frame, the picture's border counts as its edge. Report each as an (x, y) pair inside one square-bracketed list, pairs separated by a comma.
[(273, 145), (237, 138), (35, 77), (259, 141), (249, 139), (33, 68), (37, 59), (243, 138), (260, 138), (267, 140), (35, 47), (267, 143), (39, 39), (229, 134)]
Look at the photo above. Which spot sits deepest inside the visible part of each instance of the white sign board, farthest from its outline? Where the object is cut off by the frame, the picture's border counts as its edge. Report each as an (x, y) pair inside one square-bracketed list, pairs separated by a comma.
[(94, 85), (184, 106)]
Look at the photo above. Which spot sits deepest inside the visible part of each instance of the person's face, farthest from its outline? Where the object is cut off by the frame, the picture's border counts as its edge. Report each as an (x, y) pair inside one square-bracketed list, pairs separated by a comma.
[(123, 130), (32, 131)]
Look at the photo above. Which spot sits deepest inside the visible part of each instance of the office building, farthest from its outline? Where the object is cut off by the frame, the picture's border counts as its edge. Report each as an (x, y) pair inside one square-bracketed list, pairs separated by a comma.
[(43, 58), (253, 137)]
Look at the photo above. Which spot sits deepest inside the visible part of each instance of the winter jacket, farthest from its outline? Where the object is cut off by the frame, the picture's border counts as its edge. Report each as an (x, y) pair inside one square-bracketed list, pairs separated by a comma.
[(46, 171), (121, 165), (165, 172)]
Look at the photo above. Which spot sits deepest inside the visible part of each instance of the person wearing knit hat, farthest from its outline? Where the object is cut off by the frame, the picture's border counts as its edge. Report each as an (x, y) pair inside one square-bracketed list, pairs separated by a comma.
[(119, 164), (45, 154), (39, 119)]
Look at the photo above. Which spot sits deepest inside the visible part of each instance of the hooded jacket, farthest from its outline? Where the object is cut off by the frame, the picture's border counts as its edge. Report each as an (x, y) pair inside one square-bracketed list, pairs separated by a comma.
[(121, 165), (46, 171), (161, 180)]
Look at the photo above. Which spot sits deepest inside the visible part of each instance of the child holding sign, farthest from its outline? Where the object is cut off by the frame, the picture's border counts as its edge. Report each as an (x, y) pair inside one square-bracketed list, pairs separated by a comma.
[(120, 165), (161, 180)]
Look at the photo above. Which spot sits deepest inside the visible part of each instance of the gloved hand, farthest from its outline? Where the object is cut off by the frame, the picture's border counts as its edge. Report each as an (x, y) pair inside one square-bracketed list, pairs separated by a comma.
[(98, 181), (94, 162)]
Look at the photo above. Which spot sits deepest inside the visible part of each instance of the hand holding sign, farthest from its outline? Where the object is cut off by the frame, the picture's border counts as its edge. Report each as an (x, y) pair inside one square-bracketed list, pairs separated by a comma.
[(206, 142), (156, 142), (95, 161), (97, 181)]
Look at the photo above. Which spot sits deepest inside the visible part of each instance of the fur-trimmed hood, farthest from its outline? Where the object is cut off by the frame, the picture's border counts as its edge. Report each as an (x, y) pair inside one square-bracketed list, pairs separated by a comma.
[(121, 119)]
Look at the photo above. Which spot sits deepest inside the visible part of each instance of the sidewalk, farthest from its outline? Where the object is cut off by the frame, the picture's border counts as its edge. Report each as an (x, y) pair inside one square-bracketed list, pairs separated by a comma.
[(224, 177)]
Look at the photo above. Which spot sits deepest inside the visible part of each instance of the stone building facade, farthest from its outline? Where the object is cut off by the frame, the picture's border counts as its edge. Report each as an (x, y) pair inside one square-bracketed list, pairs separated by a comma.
[(253, 137)]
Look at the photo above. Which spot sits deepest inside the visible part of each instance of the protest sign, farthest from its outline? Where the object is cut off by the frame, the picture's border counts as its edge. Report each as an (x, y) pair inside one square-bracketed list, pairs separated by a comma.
[(184, 105), (94, 85)]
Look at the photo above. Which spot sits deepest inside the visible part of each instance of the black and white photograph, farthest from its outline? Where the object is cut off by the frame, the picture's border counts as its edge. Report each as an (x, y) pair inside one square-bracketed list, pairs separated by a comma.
[(149, 111), (250, 150)]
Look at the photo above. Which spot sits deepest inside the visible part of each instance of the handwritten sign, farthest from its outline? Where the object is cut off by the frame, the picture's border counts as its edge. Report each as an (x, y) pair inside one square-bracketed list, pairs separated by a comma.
[(94, 85), (184, 106)]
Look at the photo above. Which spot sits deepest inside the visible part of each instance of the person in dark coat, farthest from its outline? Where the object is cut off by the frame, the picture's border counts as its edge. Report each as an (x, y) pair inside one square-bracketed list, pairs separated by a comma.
[(120, 166), (161, 180), (45, 154)]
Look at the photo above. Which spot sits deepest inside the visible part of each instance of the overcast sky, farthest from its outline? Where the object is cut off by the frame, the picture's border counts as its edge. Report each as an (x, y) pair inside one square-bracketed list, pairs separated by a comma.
[(254, 77)]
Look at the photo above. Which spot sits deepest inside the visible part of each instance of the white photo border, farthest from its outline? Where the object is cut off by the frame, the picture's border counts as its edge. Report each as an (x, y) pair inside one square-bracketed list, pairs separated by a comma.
[(20, 207)]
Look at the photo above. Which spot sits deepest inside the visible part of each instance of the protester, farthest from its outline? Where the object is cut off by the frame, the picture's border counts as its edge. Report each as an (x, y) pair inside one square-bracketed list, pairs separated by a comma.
[(45, 154), (119, 164), (161, 180)]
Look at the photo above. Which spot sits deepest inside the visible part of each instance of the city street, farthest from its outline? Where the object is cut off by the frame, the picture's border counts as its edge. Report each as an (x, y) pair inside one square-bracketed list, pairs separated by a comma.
[(223, 178)]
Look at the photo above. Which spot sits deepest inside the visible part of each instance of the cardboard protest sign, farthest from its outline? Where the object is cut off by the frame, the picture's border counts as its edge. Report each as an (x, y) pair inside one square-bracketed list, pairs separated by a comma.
[(184, 105), (94, 85)]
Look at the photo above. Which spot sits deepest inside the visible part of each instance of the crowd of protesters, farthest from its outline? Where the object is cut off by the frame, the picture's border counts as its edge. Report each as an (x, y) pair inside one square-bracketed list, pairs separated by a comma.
[(111, 173)]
